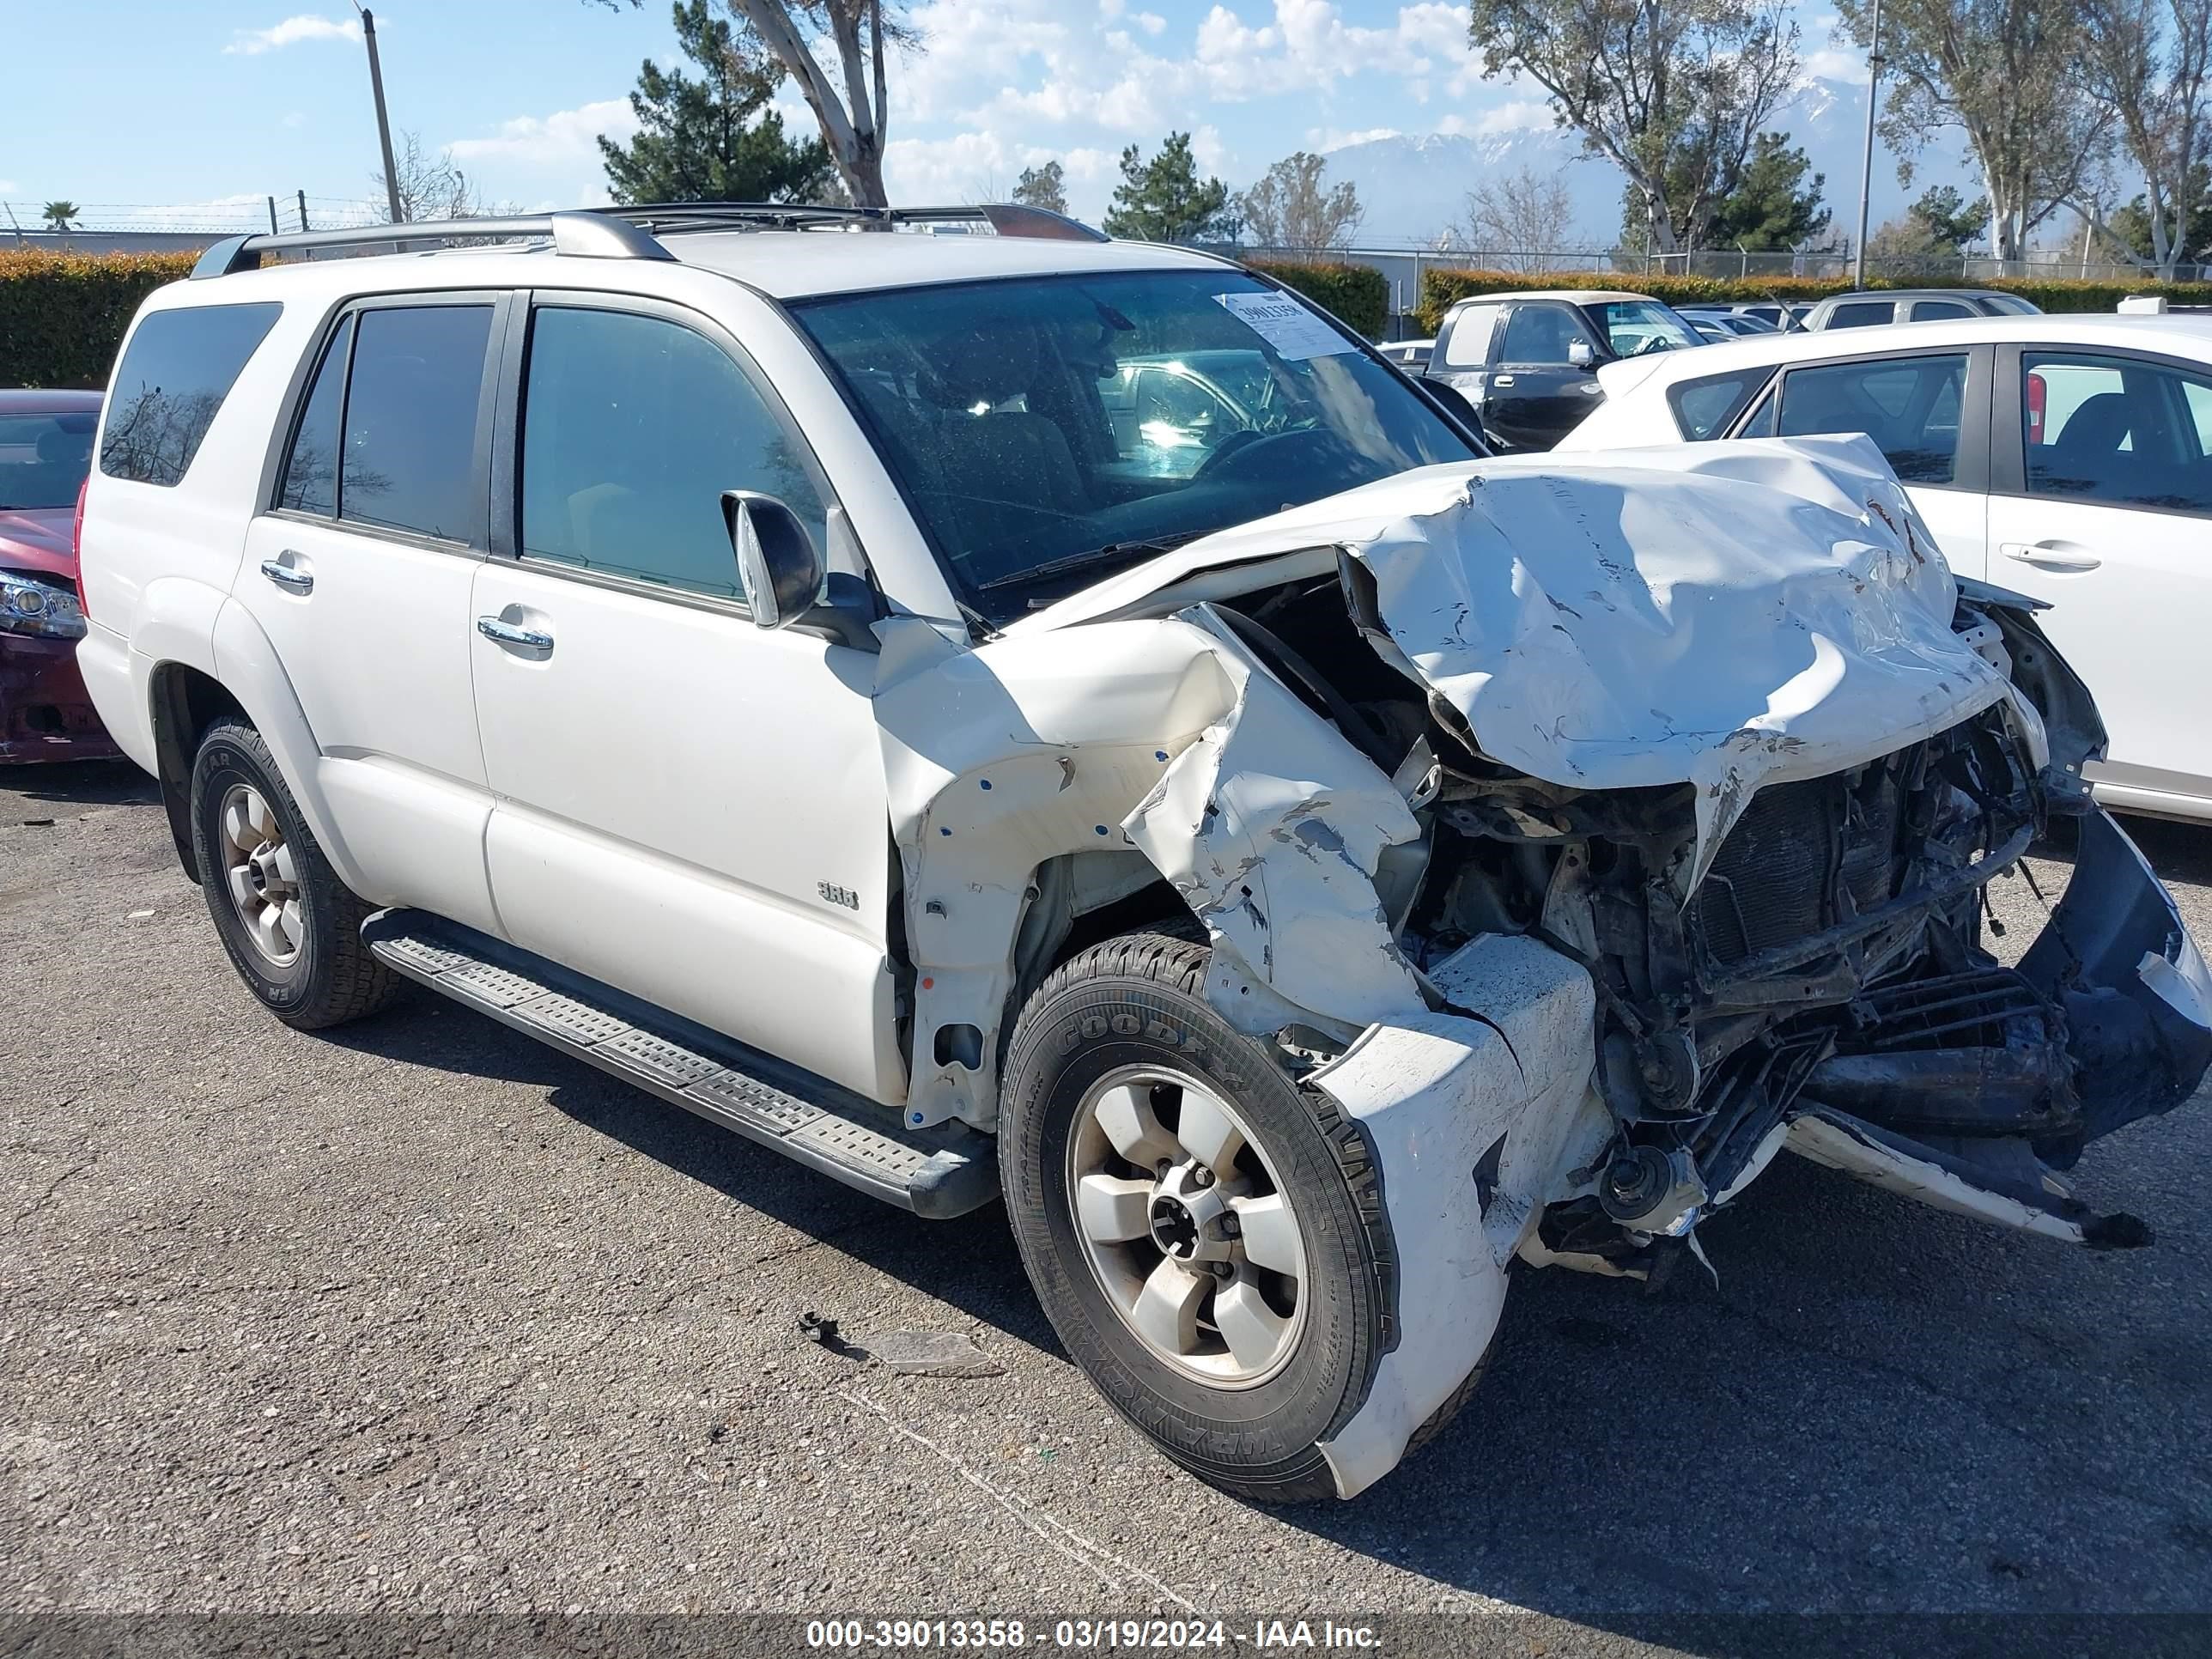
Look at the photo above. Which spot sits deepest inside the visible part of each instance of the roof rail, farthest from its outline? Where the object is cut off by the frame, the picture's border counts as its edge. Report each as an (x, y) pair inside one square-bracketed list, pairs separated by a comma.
[(629, 232), (594, 235), (1006, 218)]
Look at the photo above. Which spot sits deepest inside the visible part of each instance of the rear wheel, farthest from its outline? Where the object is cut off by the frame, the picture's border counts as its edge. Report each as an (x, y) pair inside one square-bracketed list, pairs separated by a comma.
[(291, 927), (1206, 1240)]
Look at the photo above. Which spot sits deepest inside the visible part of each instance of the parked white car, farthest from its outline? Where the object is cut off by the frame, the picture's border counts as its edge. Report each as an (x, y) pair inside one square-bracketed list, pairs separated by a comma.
[(2067, 458), (1302, 864)]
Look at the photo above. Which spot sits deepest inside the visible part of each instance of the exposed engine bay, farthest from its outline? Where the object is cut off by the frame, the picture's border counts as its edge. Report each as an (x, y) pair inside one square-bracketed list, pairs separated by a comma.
[(1832, 959)]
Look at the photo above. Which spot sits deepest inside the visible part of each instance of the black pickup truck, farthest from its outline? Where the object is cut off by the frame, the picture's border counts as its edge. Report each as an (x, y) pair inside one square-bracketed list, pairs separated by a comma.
[(1528, 361)]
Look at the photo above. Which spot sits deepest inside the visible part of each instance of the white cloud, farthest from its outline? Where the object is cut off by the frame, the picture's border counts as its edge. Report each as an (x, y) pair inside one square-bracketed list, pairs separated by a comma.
[(1523, 115), (1150, 21), (1846, 64), (8, 186), (560, 139), (295, 118), (1325, 139), (306, 26)]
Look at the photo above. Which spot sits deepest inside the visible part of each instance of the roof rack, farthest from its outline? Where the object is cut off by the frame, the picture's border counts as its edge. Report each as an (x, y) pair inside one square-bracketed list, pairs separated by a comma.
[(594, 235), (630, 232), (1006, 218)]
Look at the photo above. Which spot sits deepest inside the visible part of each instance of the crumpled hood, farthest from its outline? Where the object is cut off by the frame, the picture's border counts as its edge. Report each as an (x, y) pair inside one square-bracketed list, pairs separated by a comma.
[(1720, 614)]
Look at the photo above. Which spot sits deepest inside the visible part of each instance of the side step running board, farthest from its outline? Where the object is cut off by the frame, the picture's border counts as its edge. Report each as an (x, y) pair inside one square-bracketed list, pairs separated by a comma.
[(935, 1173)]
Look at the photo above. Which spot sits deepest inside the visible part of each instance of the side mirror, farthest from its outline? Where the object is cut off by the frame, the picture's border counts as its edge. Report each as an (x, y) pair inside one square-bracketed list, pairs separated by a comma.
[(1580, 354), (778, 563)]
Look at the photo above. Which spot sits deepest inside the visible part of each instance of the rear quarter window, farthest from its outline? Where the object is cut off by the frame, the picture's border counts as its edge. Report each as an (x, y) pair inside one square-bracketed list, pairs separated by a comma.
[(1703, 407), (174, 375)]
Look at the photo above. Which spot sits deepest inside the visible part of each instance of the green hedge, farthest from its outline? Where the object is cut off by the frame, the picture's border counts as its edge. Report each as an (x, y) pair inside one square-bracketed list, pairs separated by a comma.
[(62, 315), (1440, 288), (1359, 295)]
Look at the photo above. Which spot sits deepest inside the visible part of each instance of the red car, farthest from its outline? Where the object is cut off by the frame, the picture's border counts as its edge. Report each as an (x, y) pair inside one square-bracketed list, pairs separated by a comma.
[(46, 450)]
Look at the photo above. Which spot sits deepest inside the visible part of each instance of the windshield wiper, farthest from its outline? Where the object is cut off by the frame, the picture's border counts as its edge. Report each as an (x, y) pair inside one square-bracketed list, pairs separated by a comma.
[(1069, 563)]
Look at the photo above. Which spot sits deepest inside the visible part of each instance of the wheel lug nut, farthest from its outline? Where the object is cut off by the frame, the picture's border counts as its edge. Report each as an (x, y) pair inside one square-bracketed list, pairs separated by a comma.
[(1202, 1176)]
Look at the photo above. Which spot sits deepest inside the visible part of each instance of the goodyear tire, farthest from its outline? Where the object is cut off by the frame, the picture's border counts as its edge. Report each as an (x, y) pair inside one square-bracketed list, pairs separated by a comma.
[(1207, 1239), (291, 927)]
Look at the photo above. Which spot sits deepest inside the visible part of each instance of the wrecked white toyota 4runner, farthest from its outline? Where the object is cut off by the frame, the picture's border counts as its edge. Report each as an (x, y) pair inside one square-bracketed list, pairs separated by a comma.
[(991, 713)]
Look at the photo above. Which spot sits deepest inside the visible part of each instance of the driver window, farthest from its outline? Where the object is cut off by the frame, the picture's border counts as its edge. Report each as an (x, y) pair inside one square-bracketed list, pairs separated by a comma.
[(1538, 334), (632, 427)]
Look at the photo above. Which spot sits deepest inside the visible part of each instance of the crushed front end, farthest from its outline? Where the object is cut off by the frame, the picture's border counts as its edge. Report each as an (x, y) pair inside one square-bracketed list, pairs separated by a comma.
[(1829, 984)]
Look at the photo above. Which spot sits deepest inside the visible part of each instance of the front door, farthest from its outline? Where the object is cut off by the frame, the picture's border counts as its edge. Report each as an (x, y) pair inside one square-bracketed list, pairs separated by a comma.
[(359, 576), (688, 807), (2102, 504)]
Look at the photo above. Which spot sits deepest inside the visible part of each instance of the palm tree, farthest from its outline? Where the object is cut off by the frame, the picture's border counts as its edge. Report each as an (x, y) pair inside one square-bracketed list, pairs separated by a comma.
[(60, 215)]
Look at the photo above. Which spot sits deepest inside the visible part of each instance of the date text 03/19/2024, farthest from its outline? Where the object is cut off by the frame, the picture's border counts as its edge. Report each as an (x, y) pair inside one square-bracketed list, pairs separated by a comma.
[(1080, 1635)]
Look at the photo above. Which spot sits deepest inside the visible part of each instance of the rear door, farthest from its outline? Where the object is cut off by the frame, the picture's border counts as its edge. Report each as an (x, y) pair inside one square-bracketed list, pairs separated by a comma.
[(1461, 357), (359, 572), (1927, 412), (1535, 396), (2101, 503)]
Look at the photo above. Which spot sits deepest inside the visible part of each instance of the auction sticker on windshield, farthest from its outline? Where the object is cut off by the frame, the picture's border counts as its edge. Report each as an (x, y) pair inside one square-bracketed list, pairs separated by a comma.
[(1284, 324)]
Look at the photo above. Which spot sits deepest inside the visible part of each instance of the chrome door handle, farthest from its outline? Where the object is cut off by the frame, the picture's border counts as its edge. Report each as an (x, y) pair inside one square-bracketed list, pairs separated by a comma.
[(2050, 555), (508, 632), (290, 577), (1501, 379)]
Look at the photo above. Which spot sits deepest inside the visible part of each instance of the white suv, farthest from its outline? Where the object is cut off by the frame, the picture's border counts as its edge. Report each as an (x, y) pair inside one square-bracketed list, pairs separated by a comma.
[(823, 676)]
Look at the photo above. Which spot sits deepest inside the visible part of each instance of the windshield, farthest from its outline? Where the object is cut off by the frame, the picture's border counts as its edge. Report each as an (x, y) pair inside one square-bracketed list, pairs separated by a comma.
[(1631, 326), (1048, 430), (44, 457)]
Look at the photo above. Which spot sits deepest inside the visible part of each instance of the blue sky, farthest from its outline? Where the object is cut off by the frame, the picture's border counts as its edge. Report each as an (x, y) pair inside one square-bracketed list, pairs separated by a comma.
[(210, 102)]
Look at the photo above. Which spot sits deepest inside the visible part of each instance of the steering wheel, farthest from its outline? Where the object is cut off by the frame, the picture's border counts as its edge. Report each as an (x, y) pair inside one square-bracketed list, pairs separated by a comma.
[(1240, 447)]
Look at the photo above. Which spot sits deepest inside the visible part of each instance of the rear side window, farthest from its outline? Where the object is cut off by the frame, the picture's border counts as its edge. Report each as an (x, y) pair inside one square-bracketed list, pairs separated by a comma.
[(1936, 311), (311, 470), (179, 368), (1703, 409), (1467, 344), (408, 458), (1862, 314)]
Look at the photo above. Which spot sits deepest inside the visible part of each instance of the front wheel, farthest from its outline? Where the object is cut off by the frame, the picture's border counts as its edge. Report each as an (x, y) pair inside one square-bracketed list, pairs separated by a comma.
[(1207, 1241)]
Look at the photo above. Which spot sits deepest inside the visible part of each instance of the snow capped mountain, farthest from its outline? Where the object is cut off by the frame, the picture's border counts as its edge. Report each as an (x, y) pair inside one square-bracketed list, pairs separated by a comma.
[(1413, 186)]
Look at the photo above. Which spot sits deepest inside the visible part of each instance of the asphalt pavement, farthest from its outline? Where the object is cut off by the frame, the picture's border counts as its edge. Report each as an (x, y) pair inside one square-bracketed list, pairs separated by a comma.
[(417, 1315)]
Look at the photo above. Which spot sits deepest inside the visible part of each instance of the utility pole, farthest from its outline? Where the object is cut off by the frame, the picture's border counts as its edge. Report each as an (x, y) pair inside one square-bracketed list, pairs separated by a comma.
[(383, 122), (1866, 169)]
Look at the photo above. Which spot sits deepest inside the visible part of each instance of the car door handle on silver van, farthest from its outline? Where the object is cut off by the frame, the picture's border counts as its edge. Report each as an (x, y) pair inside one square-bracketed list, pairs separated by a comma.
[(502, 632), (2051, 555), (292, 578)]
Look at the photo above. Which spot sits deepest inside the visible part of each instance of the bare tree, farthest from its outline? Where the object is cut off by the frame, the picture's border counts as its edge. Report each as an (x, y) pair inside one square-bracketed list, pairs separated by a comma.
[(2150, 63), (1674, 93), (2009, 74), (1292, 207), (853, 119), (430, 185), (1518, 220)]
